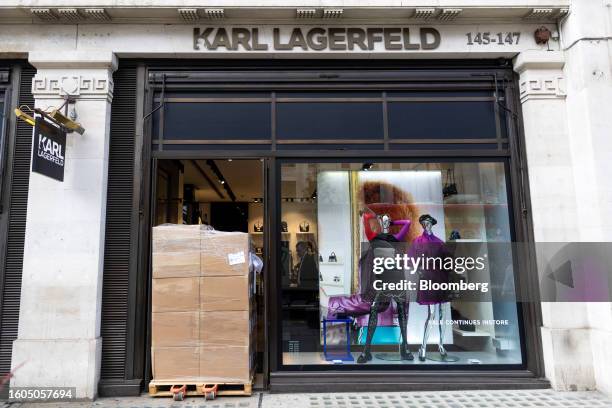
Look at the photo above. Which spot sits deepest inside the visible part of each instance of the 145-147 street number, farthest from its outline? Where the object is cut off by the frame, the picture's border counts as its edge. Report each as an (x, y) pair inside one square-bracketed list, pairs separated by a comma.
[(487, 38)]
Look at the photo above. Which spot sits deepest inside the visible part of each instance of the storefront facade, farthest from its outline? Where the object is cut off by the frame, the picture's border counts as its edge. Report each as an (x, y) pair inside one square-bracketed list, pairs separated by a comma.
[(507, 100)]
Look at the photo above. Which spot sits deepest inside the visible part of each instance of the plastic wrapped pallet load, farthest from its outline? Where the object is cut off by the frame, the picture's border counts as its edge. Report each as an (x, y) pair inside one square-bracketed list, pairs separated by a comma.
[(202, 317)]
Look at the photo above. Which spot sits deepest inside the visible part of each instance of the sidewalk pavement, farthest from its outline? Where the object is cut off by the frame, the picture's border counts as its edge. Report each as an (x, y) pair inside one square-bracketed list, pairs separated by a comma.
[(438, 399)]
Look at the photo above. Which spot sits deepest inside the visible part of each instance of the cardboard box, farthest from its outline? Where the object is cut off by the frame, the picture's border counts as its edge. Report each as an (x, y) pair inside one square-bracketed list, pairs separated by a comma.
[(176, 251), (176, 264), (231, 328), (218, 293), (226, 363), (175, 329), (224, 254), (176, 238), (169, 363), (175, 294)]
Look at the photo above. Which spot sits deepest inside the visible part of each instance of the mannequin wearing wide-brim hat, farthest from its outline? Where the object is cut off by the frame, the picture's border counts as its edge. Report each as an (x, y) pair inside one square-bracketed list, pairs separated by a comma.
[(428, 245)]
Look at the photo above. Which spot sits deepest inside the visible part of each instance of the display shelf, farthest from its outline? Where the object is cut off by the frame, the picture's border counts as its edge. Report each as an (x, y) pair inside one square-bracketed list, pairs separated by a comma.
[(466, 333), (305, 233), (330, 263), (332, 284), (305, 308), (256, 233)]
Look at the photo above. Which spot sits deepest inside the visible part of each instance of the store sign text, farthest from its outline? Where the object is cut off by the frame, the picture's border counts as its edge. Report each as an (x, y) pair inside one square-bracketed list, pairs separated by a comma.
[(316, 39)]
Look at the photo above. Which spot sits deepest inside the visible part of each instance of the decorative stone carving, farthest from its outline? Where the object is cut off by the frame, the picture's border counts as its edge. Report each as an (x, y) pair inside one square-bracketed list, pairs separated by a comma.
[(82, 87), (533, 86)]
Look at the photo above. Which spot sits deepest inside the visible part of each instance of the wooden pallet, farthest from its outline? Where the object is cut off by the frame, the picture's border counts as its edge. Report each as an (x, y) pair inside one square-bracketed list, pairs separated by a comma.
[(159, 388)]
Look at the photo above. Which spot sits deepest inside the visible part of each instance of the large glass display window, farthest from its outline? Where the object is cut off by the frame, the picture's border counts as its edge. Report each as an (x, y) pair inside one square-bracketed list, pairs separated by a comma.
[(397, 263)]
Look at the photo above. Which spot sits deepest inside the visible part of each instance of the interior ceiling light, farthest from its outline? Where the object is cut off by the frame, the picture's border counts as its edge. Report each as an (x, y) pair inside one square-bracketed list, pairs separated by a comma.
[(217, 172), (367, 166)]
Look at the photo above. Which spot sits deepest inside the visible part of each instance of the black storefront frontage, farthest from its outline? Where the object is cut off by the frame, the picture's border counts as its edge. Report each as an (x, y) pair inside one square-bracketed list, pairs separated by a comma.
[(404, 138)]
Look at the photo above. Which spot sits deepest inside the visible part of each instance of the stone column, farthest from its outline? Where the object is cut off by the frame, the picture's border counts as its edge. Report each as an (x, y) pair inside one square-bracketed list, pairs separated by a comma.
[(59, 340), (565, 335), (586, 33)]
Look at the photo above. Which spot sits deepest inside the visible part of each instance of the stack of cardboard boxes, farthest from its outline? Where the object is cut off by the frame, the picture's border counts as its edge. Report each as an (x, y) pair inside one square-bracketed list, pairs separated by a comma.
[(203, 315)]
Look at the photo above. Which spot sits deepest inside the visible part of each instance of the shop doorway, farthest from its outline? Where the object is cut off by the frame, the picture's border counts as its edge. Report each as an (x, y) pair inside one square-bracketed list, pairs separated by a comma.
[(222, 195)]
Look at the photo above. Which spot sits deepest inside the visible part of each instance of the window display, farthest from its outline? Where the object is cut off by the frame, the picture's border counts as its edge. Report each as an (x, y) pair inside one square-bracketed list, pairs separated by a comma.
[(395, 246)]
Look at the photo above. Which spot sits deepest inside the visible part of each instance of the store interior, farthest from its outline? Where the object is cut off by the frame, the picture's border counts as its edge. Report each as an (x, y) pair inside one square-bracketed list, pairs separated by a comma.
[(225, 194)]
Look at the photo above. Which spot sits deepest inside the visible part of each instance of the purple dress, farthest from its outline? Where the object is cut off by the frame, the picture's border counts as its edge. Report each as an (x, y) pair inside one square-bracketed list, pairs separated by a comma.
[(428, 245)]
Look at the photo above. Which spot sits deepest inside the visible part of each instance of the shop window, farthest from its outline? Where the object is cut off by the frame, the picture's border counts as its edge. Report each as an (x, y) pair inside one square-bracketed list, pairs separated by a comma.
[(338, 218)]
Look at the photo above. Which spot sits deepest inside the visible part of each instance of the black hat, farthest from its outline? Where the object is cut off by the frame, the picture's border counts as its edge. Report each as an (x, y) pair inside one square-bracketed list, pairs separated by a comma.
[(427, 217)]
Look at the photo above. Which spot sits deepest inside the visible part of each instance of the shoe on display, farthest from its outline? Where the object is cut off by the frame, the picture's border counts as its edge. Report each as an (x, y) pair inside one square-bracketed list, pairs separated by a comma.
[(406, 354), (364, 357)]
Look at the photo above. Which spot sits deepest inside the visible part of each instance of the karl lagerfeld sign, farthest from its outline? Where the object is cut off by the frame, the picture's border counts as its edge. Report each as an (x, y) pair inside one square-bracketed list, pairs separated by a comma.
[(48, 150), (315, 38)]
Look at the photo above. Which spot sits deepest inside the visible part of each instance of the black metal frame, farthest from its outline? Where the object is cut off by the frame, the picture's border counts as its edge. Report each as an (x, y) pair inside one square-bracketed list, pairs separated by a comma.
[(8, 91), (439, 75)]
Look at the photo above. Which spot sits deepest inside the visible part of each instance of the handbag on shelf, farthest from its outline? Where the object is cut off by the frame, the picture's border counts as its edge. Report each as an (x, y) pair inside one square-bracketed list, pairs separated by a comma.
[(332, 257), (450, 187), (258, 226), (304, 226), (454, 235), (284, 227)]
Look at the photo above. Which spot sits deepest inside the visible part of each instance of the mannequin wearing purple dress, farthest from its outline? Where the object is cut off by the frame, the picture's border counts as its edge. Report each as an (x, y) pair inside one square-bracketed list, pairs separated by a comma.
[(428, 245)]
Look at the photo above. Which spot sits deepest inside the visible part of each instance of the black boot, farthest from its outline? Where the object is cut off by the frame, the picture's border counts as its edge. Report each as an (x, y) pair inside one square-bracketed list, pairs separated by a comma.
[(364, 357), (406, 354)]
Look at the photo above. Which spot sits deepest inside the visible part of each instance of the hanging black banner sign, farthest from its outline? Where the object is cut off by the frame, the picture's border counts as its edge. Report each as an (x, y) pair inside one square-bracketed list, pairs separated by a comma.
[(48, 150)]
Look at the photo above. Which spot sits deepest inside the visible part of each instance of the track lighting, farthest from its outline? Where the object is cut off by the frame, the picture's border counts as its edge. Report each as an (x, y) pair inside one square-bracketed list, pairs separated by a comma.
[(367, 166)]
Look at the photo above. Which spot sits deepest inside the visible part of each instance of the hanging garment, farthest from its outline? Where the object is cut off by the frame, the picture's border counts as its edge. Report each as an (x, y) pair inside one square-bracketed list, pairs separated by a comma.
[(428, 245)]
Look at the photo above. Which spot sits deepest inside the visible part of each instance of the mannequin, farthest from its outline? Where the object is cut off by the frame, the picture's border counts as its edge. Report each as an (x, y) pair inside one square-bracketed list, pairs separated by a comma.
[(428, 244), (377, 231)]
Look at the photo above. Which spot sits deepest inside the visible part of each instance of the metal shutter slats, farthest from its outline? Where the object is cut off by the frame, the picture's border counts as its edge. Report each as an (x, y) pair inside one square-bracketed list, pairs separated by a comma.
[(9, 321), (115, 302)]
